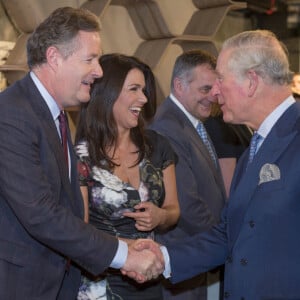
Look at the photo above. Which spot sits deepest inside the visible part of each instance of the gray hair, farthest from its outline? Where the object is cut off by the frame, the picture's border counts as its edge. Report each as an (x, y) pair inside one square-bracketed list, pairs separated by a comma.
[(188, 61), (261, 51)]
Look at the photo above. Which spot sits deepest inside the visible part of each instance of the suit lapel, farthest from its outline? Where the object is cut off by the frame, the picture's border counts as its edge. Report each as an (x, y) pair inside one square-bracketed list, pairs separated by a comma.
[(245, 183), (55, 144), (43, 113), (190, 130)]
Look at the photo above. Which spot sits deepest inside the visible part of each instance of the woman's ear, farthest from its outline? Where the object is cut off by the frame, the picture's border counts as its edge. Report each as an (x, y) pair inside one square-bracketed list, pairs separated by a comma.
[(253, 82)]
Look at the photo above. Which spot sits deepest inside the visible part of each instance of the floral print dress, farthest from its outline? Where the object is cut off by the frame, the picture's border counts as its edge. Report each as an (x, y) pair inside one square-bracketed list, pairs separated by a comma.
[(110, 197)]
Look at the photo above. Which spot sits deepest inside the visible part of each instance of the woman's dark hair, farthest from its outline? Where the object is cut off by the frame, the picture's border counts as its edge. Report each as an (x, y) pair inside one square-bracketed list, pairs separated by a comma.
[(96, 122)]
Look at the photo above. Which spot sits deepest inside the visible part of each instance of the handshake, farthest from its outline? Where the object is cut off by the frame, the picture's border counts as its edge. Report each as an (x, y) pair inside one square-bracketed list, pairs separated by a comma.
[(145, 260)]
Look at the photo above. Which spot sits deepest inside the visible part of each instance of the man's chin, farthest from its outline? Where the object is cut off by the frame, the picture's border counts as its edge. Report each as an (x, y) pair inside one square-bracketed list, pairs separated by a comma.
[(226, 118), (84, 98)]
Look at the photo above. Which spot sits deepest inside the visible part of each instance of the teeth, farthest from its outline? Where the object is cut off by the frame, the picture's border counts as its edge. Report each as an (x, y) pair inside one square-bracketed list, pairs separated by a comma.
[(136, 108)]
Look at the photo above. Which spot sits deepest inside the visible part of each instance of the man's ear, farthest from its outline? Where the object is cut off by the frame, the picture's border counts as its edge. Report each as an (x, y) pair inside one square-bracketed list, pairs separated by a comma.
[(253, 82), (53, 55), (178, 86)]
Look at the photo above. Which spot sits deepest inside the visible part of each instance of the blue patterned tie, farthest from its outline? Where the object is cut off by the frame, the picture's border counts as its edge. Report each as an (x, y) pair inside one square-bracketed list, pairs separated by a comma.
[(253, 146), (203, 134)]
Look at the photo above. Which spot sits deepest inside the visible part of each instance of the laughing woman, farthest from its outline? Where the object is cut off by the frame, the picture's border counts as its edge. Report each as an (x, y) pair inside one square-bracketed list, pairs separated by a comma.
[(127, 173)]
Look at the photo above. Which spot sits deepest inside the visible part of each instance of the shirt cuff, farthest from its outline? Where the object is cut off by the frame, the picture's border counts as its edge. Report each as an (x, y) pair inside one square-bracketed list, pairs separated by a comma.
[(167, 271), (121, 255)]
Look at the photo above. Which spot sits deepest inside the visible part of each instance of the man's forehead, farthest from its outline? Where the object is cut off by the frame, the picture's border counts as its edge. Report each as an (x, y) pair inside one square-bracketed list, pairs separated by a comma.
[(218, 72), (221, 65)]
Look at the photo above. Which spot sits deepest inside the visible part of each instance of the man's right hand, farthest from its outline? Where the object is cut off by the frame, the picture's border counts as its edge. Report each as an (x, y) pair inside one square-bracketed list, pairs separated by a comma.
[(144, 261)]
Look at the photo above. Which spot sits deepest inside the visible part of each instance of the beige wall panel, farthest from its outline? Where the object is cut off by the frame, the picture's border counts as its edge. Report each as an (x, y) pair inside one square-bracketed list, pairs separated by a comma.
[(151, 52), (27, 14), (192, 44), (206, 22), (119, 33), (147, 19), (231, 25), (8, 31), (177, 14), (155, 19), (163, 70), (214, 3), (98, 7), (16, 66)]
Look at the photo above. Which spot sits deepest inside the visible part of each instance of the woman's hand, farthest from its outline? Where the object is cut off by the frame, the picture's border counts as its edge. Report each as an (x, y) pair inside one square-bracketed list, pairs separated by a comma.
[(147, 216)]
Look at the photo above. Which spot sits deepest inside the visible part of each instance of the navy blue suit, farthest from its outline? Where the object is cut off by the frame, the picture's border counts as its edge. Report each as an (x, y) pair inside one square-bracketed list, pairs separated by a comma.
[(258, 236), (200, 186), (40, 208)]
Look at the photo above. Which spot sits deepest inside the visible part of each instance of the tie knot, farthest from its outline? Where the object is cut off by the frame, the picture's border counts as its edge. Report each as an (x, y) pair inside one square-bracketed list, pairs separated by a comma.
[(62, 117), (256, 137), (201, 130)]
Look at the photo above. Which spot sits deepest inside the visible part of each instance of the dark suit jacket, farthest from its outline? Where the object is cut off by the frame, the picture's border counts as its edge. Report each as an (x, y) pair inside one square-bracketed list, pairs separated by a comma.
[(259, 233), (200, 185), (40, 208)]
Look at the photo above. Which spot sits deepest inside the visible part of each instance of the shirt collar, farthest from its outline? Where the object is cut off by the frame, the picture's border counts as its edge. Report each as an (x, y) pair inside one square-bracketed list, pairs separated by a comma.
[(194, 120), (53, 107), (273, 117)]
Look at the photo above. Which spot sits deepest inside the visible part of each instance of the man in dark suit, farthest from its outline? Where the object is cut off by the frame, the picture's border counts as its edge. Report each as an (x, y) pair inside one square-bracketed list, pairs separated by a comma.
[(199, 182), (43, 239), (258, 236)]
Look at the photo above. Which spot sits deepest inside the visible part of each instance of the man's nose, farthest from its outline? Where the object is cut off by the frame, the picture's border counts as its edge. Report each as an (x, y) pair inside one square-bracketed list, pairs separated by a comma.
[(215, 91), (98, 72)]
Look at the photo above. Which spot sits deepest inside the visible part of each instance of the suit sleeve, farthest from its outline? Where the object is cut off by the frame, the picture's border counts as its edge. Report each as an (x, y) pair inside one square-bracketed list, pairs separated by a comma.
[(38, 205), (200, 253)]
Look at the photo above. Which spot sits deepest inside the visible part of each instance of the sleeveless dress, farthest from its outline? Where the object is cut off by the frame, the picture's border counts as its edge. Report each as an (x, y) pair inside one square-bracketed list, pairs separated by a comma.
[(109, 197)]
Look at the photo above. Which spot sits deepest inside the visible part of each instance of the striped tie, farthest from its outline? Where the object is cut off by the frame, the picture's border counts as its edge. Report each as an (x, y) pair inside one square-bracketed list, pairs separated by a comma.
[(203, 134), (253, 146)]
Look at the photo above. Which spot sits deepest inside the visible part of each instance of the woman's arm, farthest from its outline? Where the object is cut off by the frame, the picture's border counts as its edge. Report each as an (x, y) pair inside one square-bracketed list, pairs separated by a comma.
[(170, 210), (84, 193)]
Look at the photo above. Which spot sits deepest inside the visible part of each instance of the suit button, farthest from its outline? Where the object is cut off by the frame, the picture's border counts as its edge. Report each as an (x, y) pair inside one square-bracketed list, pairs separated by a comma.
[(242, 298), (229, 259), (251, 224), (244, 261), (226, 295)]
